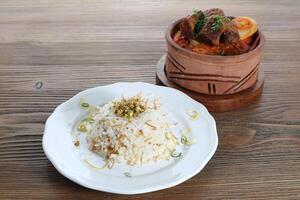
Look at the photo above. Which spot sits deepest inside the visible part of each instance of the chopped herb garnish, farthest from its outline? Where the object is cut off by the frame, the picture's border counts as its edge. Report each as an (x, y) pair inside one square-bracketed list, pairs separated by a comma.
[(82, 127), (184, 140), (199, 24), (201, 19), (227, 19), (194, 114), (129, 107), (88, 120), (84, 105), (127, 174), (91, 164), (175, 154), (217, 24), (195, 11)]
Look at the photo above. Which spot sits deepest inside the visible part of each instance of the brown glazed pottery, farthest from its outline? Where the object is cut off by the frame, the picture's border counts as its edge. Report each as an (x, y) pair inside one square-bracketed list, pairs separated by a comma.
[(212, 74)]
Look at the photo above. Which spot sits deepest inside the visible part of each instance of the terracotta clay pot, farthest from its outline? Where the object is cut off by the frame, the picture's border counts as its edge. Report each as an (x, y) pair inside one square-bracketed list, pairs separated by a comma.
[(211, 74)]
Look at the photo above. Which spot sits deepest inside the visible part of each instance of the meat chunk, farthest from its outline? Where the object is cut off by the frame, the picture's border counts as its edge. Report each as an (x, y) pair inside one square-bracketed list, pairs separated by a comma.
[(186, 28), (231, 35), (208, 27), (213, 29), (211, 32), (214, 11), (189, 25)]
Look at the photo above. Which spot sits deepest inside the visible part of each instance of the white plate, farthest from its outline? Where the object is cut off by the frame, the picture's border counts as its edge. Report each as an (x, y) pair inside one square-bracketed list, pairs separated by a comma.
[(69, 160)]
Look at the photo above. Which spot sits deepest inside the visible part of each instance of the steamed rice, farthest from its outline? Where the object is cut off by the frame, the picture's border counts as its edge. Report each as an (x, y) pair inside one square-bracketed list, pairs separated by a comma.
[(143, 139)]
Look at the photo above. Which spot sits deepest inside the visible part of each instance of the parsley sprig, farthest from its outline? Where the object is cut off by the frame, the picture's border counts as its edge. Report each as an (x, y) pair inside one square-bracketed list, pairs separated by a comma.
[(217, 23), (201, 20), (199, 24)]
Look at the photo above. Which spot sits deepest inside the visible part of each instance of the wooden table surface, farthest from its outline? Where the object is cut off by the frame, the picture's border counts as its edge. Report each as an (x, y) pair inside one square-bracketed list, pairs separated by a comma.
[(51, 50)]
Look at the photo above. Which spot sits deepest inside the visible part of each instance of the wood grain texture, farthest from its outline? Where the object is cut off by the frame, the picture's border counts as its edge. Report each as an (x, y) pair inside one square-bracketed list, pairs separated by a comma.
[(213, 103), (50, 50)]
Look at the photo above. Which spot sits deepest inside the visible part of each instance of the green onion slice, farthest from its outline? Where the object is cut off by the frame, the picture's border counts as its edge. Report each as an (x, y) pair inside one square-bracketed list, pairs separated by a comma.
[(91, 164), (175, 154), (184, 140), (127, 174), (82, 127), (88, 120), (84, 105), (194, 114)]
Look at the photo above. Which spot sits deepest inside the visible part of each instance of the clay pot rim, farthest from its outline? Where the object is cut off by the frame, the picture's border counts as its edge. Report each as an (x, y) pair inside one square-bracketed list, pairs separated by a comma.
[(205, 56)]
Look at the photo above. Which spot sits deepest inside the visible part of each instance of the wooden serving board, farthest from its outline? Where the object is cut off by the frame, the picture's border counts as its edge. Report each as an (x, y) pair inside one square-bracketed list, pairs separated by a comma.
[(214, 103)]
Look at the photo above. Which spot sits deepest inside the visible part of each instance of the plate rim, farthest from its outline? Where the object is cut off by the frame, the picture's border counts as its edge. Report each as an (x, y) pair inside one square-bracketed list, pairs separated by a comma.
[(158, 187)]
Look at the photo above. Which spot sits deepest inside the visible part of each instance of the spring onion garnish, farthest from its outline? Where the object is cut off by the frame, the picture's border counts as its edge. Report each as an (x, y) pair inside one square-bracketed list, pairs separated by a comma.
[(194, 114), (227, 19), (92, 164), (127, 174), (83, 103), (201, 21), (184, 140), (82, 127), (217, 24), (195, 11), (175, 154), (88, 120)]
